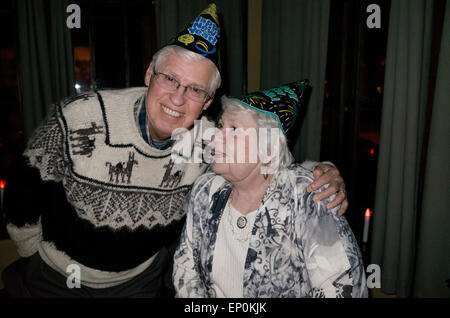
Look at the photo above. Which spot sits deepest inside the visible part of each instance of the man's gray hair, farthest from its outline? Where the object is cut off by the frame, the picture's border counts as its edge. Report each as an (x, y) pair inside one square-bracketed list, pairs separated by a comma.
[(284, 157), (161, 56)]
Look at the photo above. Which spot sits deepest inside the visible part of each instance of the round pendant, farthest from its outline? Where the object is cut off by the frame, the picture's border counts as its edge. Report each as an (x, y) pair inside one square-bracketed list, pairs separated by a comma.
[(241, 222)]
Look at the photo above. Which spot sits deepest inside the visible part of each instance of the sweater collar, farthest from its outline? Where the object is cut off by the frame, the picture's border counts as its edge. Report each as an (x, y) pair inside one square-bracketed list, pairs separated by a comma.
[(143, 129)]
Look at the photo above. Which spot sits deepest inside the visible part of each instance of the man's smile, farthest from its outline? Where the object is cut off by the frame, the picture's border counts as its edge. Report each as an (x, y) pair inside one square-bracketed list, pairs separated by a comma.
[(171, 112)]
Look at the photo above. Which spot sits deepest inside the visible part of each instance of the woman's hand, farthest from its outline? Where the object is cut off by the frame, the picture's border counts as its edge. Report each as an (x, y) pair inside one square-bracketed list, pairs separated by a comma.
[(327, 174)]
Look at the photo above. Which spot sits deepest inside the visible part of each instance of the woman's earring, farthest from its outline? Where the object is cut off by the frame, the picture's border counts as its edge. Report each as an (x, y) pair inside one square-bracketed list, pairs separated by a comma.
[(265, 175)]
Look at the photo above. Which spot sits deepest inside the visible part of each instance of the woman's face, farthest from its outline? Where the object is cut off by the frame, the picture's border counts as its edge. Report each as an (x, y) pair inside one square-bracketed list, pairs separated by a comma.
[(236, 147)]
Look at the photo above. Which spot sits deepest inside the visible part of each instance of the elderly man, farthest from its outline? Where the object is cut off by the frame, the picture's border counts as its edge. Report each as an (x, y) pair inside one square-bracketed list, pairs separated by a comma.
[(96, 198)]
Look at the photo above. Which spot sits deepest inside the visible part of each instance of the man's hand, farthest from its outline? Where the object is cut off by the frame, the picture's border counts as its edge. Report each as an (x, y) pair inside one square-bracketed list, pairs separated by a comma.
[(327, 174)]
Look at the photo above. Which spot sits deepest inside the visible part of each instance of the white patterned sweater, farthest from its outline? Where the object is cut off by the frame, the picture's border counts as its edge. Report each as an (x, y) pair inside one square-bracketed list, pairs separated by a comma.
[(101, 196)]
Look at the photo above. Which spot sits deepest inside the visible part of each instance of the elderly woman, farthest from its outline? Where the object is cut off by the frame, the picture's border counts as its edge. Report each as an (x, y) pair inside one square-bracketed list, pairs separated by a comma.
[(252, 228)]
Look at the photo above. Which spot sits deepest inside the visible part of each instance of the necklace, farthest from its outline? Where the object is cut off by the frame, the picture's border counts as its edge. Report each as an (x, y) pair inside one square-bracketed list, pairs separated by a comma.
[(239, 222)]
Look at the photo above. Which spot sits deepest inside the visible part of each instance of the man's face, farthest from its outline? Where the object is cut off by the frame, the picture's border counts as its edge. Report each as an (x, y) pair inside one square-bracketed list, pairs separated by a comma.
[(168, 110)]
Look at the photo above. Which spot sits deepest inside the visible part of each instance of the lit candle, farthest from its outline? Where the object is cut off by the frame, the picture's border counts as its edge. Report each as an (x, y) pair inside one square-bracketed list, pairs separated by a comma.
[(2, 188), (366, 225)]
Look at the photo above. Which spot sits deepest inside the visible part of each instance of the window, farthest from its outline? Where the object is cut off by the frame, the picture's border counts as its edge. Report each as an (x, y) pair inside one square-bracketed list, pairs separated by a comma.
[(353, 101), (114, 45), (11, 125)]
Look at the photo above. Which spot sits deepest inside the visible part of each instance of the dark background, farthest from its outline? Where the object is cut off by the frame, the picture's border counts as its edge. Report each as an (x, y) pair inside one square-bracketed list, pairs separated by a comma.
[(115, 45)]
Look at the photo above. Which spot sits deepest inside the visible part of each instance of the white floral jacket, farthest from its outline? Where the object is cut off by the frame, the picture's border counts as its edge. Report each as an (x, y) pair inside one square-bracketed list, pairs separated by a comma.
[(297, 247)]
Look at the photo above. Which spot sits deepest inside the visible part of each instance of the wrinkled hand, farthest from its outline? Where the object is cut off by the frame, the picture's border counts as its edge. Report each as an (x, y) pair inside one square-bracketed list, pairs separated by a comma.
[(327, 174)]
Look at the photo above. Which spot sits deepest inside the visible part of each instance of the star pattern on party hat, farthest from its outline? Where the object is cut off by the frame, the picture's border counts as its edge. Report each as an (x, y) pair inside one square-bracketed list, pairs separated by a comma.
[(202, 35), (282, 102)]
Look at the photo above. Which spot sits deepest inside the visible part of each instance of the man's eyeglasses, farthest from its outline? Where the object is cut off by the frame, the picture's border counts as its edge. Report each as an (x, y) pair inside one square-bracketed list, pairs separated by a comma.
[(172, 84)]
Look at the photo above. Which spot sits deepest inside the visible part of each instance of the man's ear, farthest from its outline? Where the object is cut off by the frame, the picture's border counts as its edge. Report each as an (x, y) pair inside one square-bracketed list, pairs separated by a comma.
[(148, 74), (208, 103)]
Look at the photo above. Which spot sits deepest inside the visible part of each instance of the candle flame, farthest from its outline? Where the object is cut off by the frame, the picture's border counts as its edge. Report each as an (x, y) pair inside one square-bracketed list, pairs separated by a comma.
[(2, 184), (368, 212)]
